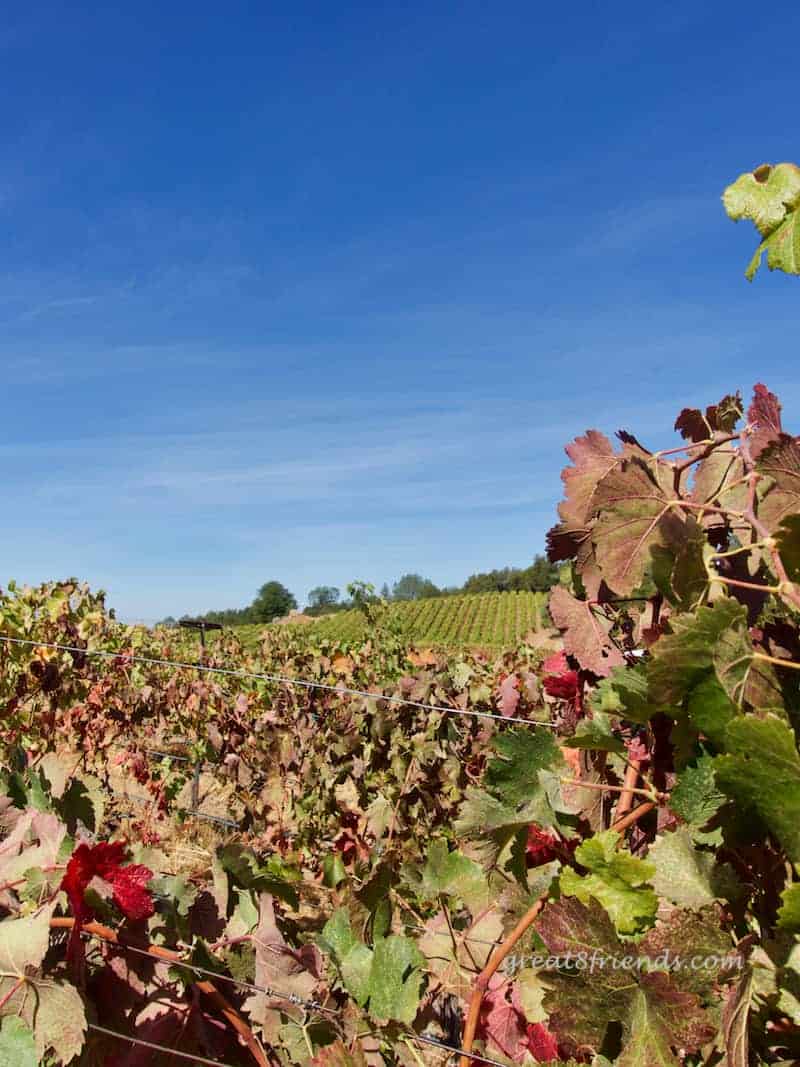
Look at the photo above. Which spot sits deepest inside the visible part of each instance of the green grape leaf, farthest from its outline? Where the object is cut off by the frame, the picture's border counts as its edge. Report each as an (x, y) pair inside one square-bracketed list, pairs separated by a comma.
[(765, 196), (17, 1046), (624, 693), (596, 733), (333, 870), (748, 682), (395, 979), (351, 956), (52, 1010), (388, 978), (521, 754), (616, 879), (696, 799), (789, 911), (710, 710), (684, 657), (687, 876), (761, 771), (451, 874), (682, 872), (769, 196), (523, 786)]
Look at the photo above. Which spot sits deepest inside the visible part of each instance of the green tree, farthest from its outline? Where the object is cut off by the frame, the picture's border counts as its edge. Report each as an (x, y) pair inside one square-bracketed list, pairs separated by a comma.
[(272, 601), (413, 587), (539, 577), (323, 596)]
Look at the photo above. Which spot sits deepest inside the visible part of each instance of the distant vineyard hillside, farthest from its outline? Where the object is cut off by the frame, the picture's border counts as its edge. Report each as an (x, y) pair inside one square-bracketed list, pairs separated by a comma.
[(493, 620)]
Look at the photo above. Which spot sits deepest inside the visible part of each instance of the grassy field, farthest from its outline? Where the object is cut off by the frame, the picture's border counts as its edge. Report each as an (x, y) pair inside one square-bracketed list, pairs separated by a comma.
[(487, 620)]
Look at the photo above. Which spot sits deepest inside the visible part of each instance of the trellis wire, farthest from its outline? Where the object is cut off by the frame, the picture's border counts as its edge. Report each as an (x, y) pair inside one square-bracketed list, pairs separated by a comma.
[(420, 1038), (156, 1048), (277, 678), (427, 1040), (275, 994)]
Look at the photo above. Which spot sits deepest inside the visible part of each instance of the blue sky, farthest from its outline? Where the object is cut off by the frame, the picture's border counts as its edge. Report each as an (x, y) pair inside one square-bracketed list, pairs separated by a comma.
[(318, 292)]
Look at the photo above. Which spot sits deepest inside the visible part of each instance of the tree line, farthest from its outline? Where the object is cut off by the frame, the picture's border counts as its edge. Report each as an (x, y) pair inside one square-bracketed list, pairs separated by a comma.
[(274, 600)]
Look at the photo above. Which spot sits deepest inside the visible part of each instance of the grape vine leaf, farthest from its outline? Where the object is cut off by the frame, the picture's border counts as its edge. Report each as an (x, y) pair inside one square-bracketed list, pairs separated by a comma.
[(337, 1054), (503, 1025), (584, 1001), (692, 934), (736, 1022), (592, 456), (710, 709), (682, 658), (789, 911), (635, 515), (624, 693), (652, 1034), (395, 979), (521, 782), (696, 799), (747, 680), (683, 874), (52, 1010), (596, 733), (35, 842), (452, 874), (584, 632), (17, 1047), (513, 774), (695, 426), (764, 415), (781, 462), (23, 942), (761, 771), (616, 879), (530, 993), (679, 570), (787, 537), (278, 967), (769, 196), (388, 977), (457, 966), (351, 956)]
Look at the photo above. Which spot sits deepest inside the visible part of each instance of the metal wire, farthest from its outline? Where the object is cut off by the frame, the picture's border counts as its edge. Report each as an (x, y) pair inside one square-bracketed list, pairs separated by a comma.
[(426, 1040), (275, 994), (189, 811), (156, 1048), (278, 678)]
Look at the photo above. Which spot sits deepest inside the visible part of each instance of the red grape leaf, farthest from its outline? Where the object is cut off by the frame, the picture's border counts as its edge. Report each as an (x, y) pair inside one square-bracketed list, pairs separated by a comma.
[(764, 414), (781, 461), (583, 1002), (585, 633), (635, 514)]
